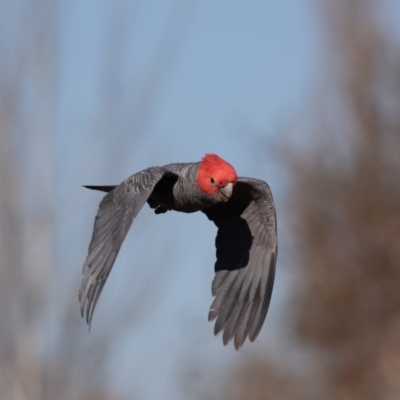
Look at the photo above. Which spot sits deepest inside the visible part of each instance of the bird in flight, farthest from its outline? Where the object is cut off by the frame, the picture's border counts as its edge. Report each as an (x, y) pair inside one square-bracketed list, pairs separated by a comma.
[(246, 243)]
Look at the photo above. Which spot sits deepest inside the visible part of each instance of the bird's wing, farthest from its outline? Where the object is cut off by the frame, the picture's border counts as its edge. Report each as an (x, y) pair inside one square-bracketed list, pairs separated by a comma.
[(247, 247), (116, 213)]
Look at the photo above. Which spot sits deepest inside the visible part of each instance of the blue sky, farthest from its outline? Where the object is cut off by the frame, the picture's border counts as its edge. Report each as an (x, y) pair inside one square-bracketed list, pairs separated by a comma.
[(235, 63), (237, 69)]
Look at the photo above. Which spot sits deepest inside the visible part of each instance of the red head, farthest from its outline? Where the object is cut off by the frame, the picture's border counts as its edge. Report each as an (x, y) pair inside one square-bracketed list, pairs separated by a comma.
[(215, 174)]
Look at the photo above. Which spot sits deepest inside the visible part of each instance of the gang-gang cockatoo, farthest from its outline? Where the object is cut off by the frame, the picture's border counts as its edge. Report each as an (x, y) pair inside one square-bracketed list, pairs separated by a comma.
[(246, 243)]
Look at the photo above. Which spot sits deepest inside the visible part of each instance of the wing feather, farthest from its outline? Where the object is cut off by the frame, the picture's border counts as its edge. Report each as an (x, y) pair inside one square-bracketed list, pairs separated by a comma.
[(226, 305), (246, 245), (116, 213), (223, 294)]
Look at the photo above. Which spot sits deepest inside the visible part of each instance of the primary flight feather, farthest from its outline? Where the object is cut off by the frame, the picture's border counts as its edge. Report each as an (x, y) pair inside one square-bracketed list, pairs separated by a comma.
[(246, 243)]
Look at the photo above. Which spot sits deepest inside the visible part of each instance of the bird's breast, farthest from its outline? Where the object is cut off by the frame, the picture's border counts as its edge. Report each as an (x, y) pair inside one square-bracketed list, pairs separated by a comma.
[(188, 198)]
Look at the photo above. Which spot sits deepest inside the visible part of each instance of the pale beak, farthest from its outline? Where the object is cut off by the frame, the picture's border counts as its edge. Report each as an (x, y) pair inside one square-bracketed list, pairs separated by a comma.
[(226, 191)]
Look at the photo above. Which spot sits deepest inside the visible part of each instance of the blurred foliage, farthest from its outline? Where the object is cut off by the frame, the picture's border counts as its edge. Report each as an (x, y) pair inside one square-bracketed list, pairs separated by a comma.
[(46, 352), (42, 355), (344, 202), (346, 208)]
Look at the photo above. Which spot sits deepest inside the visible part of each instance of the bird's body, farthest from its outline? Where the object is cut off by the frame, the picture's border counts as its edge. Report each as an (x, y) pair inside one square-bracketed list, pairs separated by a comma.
[(241, 208), (182, 195)]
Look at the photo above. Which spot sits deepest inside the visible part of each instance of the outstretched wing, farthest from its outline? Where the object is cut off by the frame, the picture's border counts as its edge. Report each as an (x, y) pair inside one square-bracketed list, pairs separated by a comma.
[(116, 213), (246, 245)]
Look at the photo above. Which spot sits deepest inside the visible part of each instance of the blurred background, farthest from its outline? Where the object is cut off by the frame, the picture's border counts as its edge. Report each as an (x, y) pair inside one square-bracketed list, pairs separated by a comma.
[(304, 94)]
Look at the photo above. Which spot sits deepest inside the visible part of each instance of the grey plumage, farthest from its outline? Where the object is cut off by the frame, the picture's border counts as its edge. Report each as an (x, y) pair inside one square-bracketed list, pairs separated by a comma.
[(246, 241), (246, 256)]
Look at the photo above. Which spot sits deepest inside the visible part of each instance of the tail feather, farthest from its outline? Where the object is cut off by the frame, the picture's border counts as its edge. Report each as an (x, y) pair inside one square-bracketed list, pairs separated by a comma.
[(101, 188)]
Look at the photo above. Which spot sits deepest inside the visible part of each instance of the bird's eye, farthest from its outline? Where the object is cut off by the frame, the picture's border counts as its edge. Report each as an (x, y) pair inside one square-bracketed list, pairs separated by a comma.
[(212, 180)]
